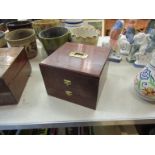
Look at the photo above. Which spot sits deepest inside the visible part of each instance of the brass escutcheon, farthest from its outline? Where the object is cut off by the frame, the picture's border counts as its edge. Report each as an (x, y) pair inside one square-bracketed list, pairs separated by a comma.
[(78, 54)]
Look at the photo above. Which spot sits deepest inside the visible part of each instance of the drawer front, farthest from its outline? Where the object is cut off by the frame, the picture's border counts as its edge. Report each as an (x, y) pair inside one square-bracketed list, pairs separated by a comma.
[(71, 86), (72, 96)]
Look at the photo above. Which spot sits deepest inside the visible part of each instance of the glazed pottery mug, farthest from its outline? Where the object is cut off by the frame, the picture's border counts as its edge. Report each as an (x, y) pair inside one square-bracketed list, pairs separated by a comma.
[(25, 38), (19, 25), (53, 38), (3, 42), (40, 25)]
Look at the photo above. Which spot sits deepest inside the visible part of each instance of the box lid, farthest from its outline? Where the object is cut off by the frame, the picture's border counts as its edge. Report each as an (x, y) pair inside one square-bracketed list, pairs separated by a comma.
[(85, 59), (13, 52)]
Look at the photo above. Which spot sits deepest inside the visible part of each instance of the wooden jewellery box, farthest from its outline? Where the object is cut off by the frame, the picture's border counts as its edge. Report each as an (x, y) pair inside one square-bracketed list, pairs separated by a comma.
[(13, 75), (76, 73)]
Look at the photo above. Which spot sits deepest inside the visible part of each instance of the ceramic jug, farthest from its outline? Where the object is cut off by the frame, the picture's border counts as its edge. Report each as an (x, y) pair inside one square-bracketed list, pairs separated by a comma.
[(144, 82)]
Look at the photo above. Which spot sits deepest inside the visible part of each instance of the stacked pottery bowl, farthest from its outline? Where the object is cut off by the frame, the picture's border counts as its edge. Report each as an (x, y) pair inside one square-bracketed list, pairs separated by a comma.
[(19, 25), (85, 35), (25, 38), (73, 23), (53, 38), (40, 25)]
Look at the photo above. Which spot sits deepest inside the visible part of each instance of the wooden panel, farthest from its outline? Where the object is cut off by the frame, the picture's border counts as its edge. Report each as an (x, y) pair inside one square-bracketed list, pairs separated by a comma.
[(19, 61), (13, 52), (14, 76), (18, 85), (6, 96), (103, 78), (91, 66)]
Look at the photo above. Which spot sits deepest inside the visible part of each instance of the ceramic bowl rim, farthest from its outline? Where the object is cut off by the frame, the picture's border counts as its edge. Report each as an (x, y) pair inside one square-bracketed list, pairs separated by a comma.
[(73, 22), (29, 29), (54, 37), (27, 22), (49, 21)]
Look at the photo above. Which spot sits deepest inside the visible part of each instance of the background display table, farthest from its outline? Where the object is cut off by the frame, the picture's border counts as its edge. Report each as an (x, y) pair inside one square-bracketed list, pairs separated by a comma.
[(118, 104)]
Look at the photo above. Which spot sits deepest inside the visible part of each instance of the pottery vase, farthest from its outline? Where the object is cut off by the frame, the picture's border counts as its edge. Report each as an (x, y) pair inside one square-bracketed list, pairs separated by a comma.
[(19, 25), (23, 38), (144, 82), (85, 35), (40, 25), (53, 38)]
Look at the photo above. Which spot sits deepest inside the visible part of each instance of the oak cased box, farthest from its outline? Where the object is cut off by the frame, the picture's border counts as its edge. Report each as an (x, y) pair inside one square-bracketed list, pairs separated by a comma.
[(13, 77), (76, 73)]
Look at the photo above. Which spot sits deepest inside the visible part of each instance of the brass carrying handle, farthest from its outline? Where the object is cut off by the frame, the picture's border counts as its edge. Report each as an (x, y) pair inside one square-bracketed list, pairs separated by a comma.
[(78, 54)]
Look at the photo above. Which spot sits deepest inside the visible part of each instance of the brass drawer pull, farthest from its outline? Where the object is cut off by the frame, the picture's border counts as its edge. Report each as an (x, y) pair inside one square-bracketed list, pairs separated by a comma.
[(68, 93), (67, 82)]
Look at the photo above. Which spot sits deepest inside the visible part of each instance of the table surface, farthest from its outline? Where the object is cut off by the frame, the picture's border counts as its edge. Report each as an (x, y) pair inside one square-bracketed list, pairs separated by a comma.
[(118, 104)]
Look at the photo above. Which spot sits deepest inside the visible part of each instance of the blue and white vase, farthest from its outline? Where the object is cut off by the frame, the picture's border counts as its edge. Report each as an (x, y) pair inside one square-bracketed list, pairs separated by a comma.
[(144, 82)]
